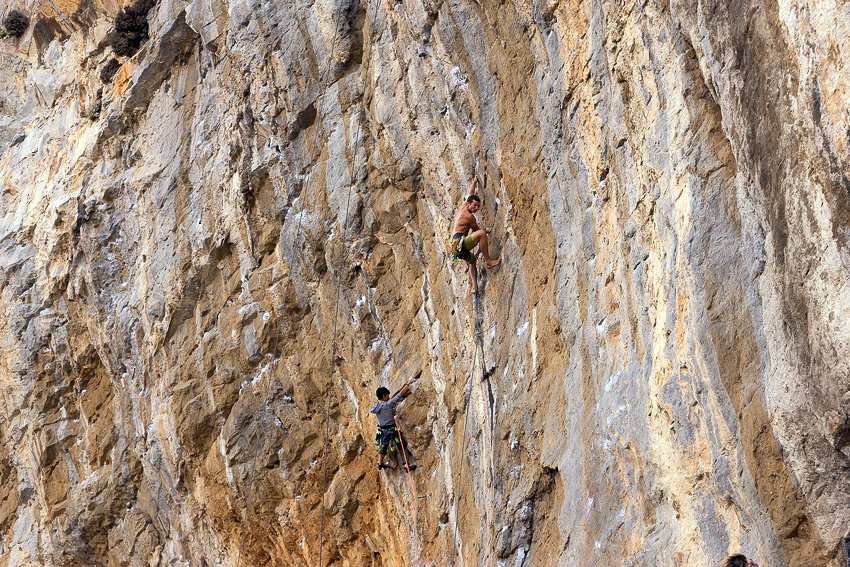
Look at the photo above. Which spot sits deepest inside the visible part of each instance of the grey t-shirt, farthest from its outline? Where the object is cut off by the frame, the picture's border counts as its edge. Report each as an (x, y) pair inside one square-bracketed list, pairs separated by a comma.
[(385, 411)]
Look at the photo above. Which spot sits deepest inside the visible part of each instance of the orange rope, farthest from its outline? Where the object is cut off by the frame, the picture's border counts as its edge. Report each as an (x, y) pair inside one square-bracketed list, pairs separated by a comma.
[(409, 476)]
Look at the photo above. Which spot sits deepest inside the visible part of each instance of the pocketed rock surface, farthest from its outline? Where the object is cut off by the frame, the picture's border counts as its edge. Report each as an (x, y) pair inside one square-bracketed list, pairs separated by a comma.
[(665, 371)]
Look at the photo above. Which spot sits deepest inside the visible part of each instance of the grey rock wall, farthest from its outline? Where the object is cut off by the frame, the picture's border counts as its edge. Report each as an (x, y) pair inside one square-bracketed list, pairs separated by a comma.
[(664, 373)]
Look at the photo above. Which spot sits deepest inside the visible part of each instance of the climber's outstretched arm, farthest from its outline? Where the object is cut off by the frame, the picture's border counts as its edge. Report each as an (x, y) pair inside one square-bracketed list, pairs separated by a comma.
[(472, 187)]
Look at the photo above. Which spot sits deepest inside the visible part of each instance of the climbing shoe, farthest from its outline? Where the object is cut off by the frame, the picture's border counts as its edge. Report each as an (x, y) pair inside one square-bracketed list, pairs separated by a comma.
[(382, 466), (410, 468)]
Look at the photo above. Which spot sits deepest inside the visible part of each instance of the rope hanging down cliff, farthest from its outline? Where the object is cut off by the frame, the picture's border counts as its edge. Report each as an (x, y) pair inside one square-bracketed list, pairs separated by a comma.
[(339, 274), (412, 487), (311, 150), (478, 344)]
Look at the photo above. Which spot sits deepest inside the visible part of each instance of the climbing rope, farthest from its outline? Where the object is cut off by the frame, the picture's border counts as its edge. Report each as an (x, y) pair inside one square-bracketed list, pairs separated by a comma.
[(339, 277), (478, 337), (413, 488), (311, 150), (466, 420)]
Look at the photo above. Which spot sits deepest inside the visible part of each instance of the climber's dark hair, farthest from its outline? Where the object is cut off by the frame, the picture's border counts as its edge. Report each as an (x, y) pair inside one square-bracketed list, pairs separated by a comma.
[(381, 392), (735, 560), (473, 198)]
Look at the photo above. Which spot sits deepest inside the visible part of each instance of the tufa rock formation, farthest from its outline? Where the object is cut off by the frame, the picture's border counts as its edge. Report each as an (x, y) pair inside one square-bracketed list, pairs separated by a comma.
[(664, 375)]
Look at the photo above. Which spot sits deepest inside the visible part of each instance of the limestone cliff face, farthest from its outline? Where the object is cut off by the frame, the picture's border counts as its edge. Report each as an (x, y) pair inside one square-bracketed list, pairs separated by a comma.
[(666, 347)]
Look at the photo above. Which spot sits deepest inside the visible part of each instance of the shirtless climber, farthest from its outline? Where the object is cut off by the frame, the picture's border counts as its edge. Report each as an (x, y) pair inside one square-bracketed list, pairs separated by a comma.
[(384, 410), (462, 245)]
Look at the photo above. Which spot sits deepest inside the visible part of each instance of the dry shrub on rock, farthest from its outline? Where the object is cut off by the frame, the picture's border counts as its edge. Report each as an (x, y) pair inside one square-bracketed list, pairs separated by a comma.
[(16, 23), (131, 28)]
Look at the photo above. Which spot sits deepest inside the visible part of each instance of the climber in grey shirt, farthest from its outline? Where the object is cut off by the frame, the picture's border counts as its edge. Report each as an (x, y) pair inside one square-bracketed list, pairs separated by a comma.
[(384, 410)]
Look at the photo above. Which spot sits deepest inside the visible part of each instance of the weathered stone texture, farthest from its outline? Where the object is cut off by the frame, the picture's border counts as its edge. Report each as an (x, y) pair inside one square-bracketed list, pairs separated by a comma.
[(665, 372)]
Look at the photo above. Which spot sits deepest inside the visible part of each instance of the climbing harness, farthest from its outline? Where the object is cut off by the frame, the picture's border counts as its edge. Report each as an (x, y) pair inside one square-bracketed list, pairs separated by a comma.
[(392, 440), (457, 248)]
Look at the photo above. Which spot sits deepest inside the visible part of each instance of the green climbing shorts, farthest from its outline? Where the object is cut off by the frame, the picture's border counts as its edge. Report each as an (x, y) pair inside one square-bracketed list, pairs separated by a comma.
[(462, 246)]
